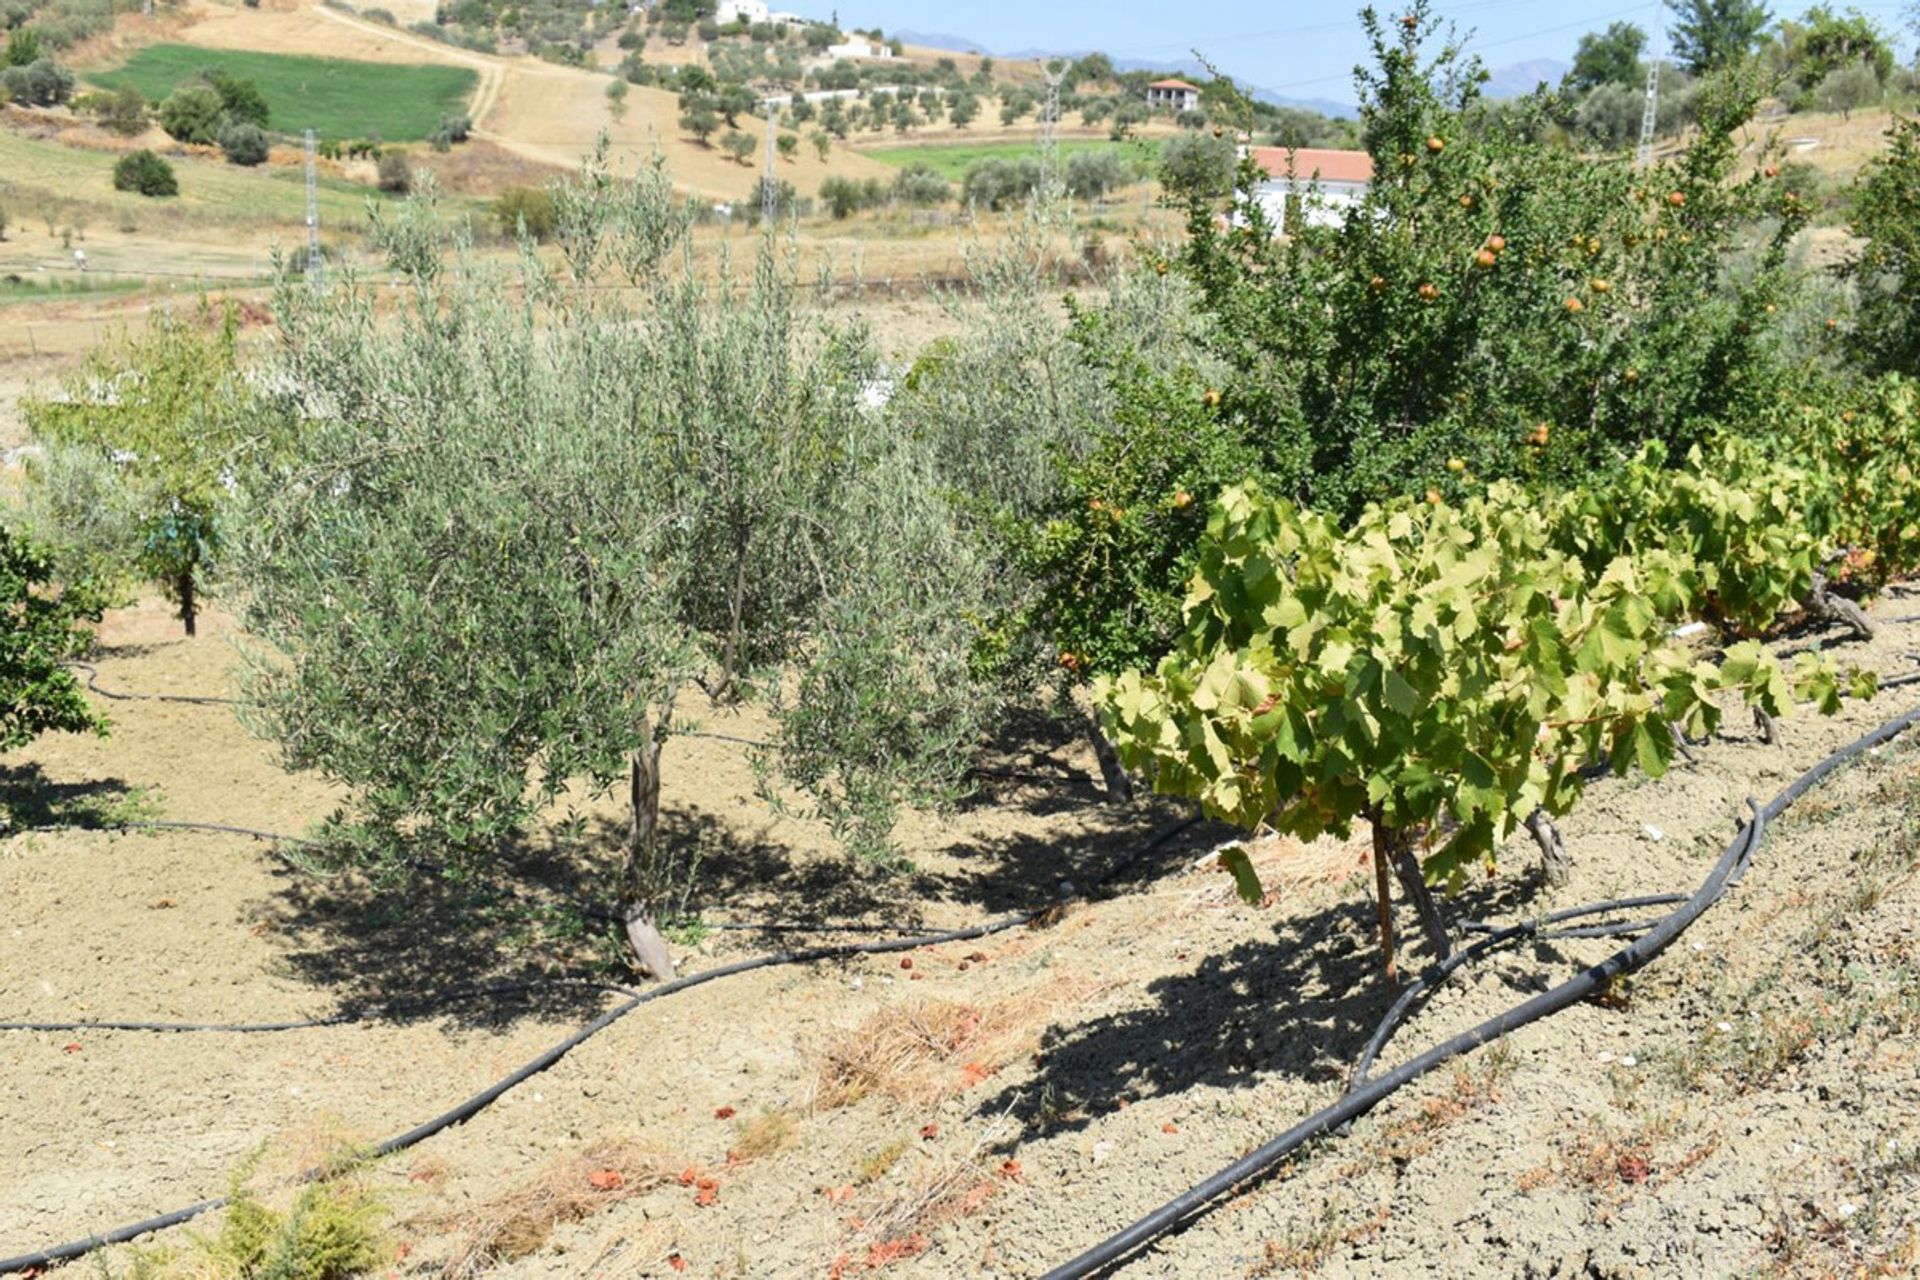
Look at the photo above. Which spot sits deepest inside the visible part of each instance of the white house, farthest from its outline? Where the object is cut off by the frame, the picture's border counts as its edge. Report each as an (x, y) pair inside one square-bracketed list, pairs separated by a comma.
[(859, 47), (1311, 183), (1173, 95), (751, 12)]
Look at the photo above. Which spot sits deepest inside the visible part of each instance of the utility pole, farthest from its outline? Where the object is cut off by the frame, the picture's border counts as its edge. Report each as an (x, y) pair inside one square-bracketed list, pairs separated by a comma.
[(1050, 180), (313, 217), (769, 188), (1651, 113)]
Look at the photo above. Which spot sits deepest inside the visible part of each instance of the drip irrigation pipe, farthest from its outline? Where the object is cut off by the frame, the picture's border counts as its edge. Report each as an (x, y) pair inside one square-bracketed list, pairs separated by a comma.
[(587, 910), (93, 676), (1019, 775), (1190, 1204), (1420, 988), (1194, 1202), (803, 926), (472, 1106), (167, 824)]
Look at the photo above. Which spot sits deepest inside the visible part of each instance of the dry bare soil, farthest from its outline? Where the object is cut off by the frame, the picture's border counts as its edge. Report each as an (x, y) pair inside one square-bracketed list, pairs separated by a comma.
[(1747, 1106)]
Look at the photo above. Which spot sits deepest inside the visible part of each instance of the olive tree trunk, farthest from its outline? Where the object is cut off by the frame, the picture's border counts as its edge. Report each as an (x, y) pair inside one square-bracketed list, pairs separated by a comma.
[(184, 585), (644, 876)]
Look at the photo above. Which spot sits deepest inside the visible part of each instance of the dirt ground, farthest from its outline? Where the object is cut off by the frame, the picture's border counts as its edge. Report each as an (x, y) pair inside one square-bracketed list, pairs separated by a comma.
[(1745, 1106)]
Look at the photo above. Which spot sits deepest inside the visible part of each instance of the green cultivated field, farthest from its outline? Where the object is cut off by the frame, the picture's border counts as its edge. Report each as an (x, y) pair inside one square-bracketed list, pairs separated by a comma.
[(954, 161), (333, 97)]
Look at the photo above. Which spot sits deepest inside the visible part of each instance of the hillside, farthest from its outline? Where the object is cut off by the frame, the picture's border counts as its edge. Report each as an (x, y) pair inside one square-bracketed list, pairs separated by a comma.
[(537, 110)]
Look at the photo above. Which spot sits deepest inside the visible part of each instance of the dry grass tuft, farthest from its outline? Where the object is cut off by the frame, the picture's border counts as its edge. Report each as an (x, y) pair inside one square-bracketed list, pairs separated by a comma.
[(571, 1188), (766, 1134), (921, 1052)]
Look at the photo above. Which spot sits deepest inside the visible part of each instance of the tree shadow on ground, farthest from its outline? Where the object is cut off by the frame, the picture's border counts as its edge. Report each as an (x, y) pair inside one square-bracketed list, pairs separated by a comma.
[(396, 950), (29, 799), (1300, 1003), (546, 912), (1125, 843)]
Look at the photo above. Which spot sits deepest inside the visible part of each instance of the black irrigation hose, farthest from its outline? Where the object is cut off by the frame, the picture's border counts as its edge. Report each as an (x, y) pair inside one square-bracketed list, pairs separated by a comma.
[(1020, 775), (1196, 1200), (805, 926), (979, 771), (93, 675), (1182, 1209), (168, 824), (346, 1016), (982, 771), (1421, 987), (480, 1101), (588, 911)]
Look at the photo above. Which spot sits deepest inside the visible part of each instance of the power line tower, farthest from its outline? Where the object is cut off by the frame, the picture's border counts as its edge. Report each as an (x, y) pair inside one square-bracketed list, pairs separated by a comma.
[(313, 217), (1050, 179), (1652, 111), (769, 185)]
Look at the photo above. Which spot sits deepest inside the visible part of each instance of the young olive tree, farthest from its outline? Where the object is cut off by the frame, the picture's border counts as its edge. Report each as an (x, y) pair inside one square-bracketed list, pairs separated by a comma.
[(527, 511), (141, 449)]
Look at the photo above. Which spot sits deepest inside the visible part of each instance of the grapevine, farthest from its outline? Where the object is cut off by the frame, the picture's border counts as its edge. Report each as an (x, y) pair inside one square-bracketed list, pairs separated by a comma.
[(1441, 671)]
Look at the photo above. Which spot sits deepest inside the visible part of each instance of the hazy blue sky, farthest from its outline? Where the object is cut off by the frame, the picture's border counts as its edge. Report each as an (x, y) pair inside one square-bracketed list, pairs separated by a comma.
[(1306, 48)]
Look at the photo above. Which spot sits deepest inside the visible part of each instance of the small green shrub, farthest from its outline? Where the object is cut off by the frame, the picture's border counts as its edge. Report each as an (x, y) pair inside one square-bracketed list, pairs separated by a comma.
[(395, 173), (192, 114), (146, 173), (528, 209), (124, 111), (240, 98), (245, 144), (330, 1229), (42, 83)]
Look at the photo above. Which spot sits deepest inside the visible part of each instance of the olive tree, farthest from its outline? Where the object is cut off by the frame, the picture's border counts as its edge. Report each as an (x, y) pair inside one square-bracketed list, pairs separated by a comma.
[(526, 511), (140, 452)]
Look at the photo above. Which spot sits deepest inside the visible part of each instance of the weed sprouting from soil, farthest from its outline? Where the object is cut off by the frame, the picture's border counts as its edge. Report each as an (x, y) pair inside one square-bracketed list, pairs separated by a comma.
[(764, 1135), (898, 1227), (876, 1164), (1304, 1252), (1612, 1164), (331, 1227), (1472, 1088)]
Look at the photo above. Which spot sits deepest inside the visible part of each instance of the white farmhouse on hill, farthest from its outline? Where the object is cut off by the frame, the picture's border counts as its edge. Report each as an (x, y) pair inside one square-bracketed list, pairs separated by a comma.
[(1319, 186), (1173, 95), (754, 13), (859, 47)]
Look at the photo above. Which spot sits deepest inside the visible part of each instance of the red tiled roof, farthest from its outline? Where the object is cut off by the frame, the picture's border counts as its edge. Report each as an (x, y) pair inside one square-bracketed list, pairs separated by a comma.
[(1331, 166), (1173, 84)]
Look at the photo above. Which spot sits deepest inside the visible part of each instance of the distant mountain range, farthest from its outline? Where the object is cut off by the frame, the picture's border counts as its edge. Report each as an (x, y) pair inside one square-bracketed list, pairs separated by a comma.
[(1510, 81), (1521, 78)]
